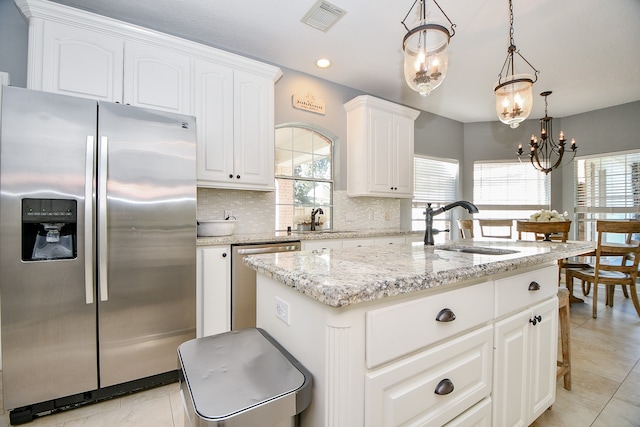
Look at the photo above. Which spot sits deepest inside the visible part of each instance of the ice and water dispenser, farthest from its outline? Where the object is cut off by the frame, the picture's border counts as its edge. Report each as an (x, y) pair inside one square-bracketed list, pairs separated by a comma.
[(49, 229)]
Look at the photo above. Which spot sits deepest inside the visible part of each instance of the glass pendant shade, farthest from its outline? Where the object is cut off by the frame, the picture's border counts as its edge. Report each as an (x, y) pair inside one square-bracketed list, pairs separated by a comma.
[(514, 99), (426, 56)]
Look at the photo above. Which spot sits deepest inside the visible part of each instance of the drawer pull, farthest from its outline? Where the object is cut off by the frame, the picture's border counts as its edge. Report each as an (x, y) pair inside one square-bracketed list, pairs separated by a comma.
[(534, 286), (444, 387), (446, 315), (535, 320)]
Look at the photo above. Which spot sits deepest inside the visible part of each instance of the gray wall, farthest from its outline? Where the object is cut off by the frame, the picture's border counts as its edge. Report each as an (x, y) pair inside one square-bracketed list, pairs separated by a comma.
[(14, 36)]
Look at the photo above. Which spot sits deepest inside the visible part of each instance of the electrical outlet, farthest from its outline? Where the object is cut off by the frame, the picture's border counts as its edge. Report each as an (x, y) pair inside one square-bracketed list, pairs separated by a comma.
[(282, 310), (377, 216), (227, 214), (387, 216)]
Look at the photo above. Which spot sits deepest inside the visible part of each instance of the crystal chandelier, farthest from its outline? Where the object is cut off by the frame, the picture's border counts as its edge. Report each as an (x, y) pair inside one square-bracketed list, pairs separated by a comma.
[(514, 93), (546, 154), (425, 47)]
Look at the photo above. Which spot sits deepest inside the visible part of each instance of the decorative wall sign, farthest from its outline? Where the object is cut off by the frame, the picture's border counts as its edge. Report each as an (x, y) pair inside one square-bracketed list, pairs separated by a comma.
[(308, 102)]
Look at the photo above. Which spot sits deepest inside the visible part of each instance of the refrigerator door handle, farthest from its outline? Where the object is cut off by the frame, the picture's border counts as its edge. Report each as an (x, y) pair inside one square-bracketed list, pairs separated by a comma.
[(88, 221), (102, 219)]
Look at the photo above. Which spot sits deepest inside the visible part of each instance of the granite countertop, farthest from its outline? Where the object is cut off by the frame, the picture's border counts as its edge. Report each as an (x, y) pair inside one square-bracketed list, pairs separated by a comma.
[(283, 236), (342, 277)]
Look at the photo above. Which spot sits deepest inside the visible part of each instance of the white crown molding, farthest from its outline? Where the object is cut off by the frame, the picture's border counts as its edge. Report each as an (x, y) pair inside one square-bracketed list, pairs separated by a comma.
[(50, 11)]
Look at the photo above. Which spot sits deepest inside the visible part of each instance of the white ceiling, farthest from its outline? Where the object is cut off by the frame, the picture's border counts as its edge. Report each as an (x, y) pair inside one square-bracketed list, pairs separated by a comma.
[(587, 51)]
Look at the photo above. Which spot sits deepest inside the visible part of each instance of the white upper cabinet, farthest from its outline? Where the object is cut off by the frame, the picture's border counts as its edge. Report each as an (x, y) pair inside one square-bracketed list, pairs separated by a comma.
[(235, 127), (78, 62), (380, 140), (156, 78), (83, 54)]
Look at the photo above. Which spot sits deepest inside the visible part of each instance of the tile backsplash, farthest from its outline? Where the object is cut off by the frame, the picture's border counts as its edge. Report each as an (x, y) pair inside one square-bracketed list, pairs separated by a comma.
[(255, 210)]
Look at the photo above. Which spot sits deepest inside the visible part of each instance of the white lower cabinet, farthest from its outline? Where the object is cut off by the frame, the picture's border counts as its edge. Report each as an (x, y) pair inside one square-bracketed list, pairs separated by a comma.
[(431, 387), (213, 292), (525, 365), (391, 363)]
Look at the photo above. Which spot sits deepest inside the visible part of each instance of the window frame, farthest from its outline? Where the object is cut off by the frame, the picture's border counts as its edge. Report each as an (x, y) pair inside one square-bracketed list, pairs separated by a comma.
[(327, 208)]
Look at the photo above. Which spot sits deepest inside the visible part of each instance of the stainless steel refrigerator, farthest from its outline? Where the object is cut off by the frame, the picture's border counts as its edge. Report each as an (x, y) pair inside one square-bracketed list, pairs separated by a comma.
[(97, 247)]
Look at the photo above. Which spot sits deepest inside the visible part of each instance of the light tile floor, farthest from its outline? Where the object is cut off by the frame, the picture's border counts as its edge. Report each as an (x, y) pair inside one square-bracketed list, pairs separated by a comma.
[(605, 392)]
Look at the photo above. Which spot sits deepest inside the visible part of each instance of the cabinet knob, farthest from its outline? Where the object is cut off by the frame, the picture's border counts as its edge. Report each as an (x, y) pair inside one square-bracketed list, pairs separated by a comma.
[(230, 175), (444, 387), (224, 255), (446, 315), (535, 320), (238, 176), (534, 286)]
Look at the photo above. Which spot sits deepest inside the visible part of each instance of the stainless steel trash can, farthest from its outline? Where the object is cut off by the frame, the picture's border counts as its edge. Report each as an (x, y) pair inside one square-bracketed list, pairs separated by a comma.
[(241, 378)]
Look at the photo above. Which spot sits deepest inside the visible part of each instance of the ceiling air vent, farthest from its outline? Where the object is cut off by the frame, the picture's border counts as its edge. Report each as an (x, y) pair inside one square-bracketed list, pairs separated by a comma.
[(323, 15)]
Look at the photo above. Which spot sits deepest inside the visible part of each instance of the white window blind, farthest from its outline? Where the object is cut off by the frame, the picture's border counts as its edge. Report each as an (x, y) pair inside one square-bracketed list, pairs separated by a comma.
[(608, 184), (510, 184), (435, 181)]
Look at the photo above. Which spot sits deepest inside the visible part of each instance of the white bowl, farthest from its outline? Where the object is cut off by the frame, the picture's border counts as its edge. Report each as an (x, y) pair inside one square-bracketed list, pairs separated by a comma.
[(214, 228)]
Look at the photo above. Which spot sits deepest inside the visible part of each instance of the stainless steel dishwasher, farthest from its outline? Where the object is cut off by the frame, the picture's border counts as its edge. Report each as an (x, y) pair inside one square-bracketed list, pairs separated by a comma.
[(243, 280)]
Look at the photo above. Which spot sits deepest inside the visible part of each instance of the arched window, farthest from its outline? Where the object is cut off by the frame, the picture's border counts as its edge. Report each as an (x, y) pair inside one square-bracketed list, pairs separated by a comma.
[(304, 176)]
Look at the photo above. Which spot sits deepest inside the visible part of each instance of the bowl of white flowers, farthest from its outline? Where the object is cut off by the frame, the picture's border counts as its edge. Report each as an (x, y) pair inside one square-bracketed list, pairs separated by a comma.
[(548, 216)]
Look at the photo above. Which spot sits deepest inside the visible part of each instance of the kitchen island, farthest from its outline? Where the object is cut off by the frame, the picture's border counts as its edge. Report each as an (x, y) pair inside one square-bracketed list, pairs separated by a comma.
[(408, 335)]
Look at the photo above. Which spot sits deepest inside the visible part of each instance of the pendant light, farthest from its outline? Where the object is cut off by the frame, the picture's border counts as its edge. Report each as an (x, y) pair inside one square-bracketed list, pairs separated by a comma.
[(514, 92), (426, 50)]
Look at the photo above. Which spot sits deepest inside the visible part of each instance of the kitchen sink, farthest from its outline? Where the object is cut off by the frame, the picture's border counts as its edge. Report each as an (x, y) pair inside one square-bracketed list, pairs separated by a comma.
[(482, 250)]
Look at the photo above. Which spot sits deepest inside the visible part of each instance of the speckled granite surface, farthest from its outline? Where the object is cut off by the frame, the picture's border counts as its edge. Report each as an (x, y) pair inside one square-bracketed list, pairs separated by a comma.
[(283, 236), (342, 277)]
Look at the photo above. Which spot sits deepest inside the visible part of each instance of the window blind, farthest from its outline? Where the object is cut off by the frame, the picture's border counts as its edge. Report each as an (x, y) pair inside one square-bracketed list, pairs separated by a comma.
[(435, 181), (510, 184), (608, 184)]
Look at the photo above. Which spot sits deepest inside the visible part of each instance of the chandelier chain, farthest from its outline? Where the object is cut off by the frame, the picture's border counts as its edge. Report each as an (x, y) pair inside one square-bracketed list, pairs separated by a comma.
[(511, 24)]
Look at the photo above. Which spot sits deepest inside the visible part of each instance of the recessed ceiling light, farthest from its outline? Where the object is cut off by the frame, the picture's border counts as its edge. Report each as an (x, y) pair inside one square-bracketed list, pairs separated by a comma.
[(323, 63)]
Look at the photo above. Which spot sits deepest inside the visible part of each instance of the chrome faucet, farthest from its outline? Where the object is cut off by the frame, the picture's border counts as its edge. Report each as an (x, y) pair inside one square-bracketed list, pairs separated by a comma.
[(430, 213), (315, 212)]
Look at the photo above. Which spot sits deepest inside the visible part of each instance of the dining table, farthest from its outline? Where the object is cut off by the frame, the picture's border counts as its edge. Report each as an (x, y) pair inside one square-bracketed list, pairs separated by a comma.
[(546, 228)]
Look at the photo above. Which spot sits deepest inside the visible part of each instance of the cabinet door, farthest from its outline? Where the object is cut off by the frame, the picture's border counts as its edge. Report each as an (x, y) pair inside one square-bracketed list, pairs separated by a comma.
[(253, 131), (213, 291), (525, 364), (510, 373), (543, 355), (156, 78), (80, 62), (403, 156), (214, 112), (381, 151)]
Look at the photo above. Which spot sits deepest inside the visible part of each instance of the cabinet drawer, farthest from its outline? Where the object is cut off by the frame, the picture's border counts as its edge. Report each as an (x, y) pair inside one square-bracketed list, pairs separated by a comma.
[(512, 293), (405, 391), (478, 416), (403, 328)]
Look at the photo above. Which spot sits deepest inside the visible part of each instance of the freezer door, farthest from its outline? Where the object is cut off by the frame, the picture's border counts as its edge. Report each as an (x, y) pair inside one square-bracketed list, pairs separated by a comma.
[(49, 345), (146, 240)]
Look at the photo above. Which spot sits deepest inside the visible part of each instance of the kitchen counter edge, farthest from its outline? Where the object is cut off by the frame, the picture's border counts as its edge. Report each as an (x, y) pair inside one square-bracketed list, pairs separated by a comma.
[(283, 236), (343, 277)]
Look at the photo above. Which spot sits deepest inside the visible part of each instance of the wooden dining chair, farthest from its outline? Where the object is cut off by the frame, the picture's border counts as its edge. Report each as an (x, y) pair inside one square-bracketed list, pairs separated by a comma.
[(466, 228), (615, 263), (498, 228)]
